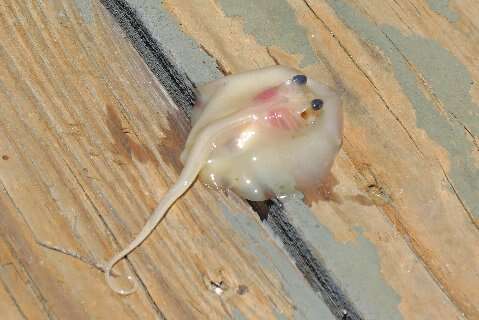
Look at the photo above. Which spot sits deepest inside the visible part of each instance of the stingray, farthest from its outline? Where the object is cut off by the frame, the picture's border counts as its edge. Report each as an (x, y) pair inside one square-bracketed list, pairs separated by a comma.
[(261, 134)]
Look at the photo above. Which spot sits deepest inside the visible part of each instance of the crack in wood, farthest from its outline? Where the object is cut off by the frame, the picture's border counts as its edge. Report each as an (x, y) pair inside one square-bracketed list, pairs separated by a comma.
[(475, 139), (471, 217), (112, 235), (411, 242), (84, 259), (312, 268), (177, 84), (268, 50), (371, 82), (89, 261), (219, 65), (10, 294), (30, 282)]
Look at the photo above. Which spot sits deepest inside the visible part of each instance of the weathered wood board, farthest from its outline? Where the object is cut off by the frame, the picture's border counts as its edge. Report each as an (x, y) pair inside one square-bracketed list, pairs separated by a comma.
[(89, 141), (397, 224)]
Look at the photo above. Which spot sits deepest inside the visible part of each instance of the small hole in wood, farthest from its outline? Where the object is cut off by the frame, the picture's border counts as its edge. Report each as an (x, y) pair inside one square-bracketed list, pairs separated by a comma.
[(242, 289)]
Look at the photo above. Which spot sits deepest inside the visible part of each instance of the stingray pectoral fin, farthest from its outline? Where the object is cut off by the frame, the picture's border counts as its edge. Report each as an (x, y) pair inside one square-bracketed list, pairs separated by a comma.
[(207, 90), (223, 97)]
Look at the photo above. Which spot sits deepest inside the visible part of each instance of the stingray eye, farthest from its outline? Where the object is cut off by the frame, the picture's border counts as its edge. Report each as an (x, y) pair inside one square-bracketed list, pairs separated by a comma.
[(299, 79), (317, 104)]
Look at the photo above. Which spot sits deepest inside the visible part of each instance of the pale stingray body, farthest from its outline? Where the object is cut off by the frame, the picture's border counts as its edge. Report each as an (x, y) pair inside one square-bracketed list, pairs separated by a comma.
[(262, 134)]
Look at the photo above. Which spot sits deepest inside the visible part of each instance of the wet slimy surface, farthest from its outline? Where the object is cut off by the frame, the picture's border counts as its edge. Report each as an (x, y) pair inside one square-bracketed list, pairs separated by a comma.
[(262, 134)]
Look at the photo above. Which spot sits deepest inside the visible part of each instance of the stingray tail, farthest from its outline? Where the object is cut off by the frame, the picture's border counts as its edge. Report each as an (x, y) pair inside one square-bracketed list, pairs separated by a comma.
[(193, 165)]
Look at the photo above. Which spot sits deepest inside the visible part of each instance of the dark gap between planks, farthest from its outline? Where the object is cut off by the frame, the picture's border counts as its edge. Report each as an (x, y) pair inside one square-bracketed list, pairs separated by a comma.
[(181, 90)]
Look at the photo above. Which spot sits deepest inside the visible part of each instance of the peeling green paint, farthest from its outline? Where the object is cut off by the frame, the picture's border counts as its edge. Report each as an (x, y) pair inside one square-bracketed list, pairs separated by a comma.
[(237, 315), (279, 316), (185, 52), (355, 266), (85, 9), (448, 79), (272, 23), (308, 304), (442, 7)]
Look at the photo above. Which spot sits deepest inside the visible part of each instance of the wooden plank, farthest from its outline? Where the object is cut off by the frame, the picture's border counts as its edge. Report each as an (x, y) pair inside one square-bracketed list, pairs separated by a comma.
[(18, 286), (401, 210), (89, 142), (9, 309)]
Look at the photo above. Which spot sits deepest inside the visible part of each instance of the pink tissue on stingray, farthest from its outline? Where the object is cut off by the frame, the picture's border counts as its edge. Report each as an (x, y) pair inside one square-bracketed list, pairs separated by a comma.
[(270, 141), (282, 118), (266, 95), (238, 141)]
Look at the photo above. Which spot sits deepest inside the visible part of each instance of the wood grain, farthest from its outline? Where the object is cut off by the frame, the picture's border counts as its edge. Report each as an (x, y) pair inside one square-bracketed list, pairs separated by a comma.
[(89, 142), (408, 173)]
